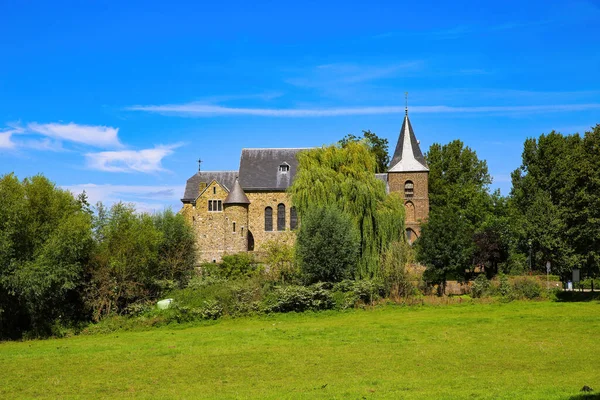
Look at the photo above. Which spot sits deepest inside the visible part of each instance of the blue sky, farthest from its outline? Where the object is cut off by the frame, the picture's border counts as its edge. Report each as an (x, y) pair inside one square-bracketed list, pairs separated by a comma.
[(121, 98)]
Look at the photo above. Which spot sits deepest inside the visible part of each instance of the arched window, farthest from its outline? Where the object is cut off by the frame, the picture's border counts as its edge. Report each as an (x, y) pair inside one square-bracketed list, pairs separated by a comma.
[(411, 236), (293, 218), (268, 219), (409, 189), (410, 211), (281, 217)]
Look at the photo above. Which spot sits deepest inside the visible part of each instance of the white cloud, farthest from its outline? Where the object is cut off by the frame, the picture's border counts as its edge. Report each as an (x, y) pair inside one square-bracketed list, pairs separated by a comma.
[(204, 110), (93, 135), (144, 198), (147, 160), (6, 141)]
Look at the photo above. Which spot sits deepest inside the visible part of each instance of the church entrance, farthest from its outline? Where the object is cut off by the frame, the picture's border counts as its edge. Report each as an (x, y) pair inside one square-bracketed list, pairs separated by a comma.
[(250, 241)]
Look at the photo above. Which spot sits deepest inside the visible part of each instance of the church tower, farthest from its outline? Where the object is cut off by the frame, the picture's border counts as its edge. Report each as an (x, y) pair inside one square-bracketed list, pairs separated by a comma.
[(408, 176)]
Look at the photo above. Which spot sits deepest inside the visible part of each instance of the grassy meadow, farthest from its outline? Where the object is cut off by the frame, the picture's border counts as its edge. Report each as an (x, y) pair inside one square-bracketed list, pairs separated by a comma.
[(518, 350)]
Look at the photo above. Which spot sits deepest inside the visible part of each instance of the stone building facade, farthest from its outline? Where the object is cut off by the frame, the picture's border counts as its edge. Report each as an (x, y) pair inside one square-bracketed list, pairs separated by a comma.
[(237, 211)]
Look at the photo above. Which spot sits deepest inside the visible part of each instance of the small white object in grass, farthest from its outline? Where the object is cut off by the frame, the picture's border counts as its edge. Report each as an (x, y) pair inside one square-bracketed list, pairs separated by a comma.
[(164, 304)]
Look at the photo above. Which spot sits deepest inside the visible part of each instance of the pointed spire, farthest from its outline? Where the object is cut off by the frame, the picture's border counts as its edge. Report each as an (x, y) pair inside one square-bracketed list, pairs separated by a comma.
[(237, 195), (408, 155)]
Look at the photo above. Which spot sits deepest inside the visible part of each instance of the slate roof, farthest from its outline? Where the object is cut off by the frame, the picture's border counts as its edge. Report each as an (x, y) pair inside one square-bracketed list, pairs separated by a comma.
[(408, 155), (225, 178), (259, 168), (237, 195)]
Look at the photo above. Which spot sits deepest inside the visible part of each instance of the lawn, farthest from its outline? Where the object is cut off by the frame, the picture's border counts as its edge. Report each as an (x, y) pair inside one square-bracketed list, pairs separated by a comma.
[(519, 350)]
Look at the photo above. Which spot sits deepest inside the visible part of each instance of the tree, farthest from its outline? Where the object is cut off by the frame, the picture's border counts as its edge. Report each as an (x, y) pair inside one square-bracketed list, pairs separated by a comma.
[(177, 247), (445, 246), (555, 198), (461, 224), (327, 245), (125, 264), (45, 243), (344, 177), (378, 146)]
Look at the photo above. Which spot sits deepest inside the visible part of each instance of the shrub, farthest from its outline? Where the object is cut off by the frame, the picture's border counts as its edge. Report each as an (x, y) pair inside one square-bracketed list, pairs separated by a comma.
[(480, 287), (327, 245), (527, 288), (299, 299), (393, 269), (504, 288), (279, 258), (362, 291), (233, 266)]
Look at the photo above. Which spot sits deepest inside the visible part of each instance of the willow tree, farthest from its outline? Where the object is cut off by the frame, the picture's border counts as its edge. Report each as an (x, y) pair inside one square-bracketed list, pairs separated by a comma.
[(345, 177)]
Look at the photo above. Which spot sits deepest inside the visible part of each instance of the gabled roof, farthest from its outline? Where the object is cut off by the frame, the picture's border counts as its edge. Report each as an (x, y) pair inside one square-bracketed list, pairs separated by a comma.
[(259, 168), (408, 156), (237, 195), (225, 178)]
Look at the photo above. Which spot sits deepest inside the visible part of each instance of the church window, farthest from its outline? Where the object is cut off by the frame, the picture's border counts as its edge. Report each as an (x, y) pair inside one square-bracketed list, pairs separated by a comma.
[(284, 168), (215, 205), (281, 217), (409, 189), (293, 218), (214, 190), (268, 219), (234, 227)]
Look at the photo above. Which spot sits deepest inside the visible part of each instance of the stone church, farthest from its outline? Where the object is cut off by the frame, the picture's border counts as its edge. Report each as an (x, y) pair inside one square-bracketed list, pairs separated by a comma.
[(235, 211)]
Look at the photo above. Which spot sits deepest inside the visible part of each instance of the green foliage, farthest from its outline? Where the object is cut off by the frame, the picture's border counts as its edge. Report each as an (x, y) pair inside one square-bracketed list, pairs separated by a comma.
[(280, 261), (359, 292), (298, 299), (393, 269), (239, 265), (378, 146), (481, 287), (504, 287), (468, 226), (345, 178), (45, 243), (445, 246), (327, 245), (556, 199), (177, 248), (137, 257), (526, 288)]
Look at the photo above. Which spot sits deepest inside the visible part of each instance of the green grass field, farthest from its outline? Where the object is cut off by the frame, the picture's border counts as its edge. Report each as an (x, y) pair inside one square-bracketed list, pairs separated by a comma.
[(520, 350)]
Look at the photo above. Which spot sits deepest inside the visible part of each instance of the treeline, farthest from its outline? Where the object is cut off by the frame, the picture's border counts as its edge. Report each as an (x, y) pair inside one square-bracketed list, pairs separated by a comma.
[(552, 213), (62, 264)]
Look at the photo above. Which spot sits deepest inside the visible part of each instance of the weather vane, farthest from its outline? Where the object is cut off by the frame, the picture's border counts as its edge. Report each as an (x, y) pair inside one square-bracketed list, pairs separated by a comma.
[(199, 164), (406, 103)]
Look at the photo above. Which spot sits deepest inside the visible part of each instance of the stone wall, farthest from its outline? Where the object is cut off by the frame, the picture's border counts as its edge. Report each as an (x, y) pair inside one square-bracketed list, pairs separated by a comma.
[(209, 226), (256, 217), (236, 228), (418, 204)]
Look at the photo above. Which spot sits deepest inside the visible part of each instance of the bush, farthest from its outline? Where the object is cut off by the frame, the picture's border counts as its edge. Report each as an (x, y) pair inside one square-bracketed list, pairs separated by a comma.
[(233, 266), (393, 269), (527, 288), (279, 258), (504, 287), (362, 291), (299, 299), (481, 287), (327, 245)]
